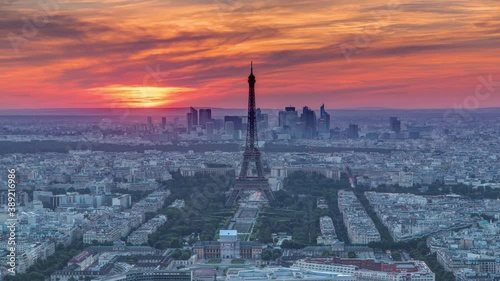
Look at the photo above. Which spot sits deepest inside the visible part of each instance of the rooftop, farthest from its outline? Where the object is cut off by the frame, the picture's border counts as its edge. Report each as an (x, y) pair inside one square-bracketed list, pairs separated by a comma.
[(228, 232)]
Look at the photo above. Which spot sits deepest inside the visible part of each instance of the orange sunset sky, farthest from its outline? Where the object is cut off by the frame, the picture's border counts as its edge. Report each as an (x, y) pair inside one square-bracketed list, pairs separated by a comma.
[(344, 53)]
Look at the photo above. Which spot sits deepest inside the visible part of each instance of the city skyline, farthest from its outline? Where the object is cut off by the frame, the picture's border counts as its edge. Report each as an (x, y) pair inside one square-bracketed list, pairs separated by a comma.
[(232, 140), (80, 55)]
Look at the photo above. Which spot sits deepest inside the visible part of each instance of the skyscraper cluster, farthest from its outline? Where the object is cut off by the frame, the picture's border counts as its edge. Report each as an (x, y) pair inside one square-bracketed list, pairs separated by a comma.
[(229, 127), (193, 121), (157, 132), (306, 126)]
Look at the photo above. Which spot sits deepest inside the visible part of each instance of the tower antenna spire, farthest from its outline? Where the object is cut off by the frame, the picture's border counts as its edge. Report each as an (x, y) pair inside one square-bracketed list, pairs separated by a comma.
[(251, 66)]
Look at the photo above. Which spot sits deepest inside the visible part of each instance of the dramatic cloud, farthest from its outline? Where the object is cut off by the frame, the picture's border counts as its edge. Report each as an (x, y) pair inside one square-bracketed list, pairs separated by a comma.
[(365, 53)]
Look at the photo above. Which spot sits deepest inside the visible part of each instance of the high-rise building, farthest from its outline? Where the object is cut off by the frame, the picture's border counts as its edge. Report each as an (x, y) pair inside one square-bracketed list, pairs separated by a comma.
[(258, 116), (163, 122), (205, 116), (218, 124), (395, 124), (150, 123), (210, 130), (237, 121), (262, 119), (194, 113), (189, 122), (353, 131), (289, 121), (288, 118), (308, 117), (323, 121), (192, 119), (229, 128), (281, 118)]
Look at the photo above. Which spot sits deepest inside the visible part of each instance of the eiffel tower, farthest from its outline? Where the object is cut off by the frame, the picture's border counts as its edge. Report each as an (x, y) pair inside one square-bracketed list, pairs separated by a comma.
[(245, 182)]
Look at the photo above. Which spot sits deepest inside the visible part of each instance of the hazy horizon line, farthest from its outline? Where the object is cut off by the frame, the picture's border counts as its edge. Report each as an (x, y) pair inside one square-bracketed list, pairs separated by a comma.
[(224, 108)]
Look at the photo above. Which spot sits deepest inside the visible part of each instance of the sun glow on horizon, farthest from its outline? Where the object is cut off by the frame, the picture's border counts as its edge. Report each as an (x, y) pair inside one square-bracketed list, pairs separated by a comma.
[(409, 54), (140, 96)]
